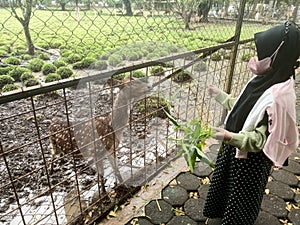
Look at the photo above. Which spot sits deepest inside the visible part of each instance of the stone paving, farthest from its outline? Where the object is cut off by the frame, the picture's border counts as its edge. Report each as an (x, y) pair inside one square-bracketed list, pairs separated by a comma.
[(181, 200)]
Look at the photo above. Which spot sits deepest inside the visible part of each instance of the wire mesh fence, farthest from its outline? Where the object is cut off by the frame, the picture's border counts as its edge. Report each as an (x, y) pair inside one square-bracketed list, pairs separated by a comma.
[(82, 116)]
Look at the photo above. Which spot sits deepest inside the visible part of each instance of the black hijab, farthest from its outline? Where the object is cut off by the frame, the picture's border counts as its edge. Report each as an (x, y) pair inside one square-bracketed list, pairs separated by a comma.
[(283, 68)]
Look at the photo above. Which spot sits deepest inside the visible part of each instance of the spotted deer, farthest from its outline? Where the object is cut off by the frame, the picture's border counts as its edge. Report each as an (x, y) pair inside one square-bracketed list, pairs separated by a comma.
[(99, 137)]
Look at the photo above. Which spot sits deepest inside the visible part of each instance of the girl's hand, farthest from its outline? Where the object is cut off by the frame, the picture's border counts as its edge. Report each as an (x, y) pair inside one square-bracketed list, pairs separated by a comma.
[(213, 91), (221, 134)]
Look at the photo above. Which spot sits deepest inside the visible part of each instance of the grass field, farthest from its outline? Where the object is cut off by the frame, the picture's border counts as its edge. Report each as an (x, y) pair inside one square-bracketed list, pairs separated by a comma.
[(100, 32)]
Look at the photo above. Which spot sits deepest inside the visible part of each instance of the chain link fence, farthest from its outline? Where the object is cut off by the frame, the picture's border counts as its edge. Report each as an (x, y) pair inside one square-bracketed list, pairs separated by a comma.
[(85, 87)]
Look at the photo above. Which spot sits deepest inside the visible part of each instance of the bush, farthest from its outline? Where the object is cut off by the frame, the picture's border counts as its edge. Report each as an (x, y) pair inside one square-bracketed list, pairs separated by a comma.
[(35, 65), (43, 56), (157, 71), (48, 68), (12, 60), (120, 76), (183, 76), (115, 59), (153, 106), (9, 87), (26, 57), (5, 79), (59, 63), (26, 76), (216, 57), (5, 70), (153, 55), (200, 66), (246, 57), (73, 58), (2, 52), (99, 65), (65, 72), (17, 72), (52, 77), (133, 56), (138, 74), (85, 63), (31, 82)]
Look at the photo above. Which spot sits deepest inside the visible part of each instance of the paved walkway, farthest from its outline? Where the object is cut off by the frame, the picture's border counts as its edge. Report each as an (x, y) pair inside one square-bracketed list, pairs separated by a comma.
[(176, 197)]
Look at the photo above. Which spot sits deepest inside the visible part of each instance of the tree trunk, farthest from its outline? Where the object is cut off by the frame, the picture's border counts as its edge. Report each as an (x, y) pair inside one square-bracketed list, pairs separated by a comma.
[(63, 6), (128, 9), (295, 13), (29, 42)]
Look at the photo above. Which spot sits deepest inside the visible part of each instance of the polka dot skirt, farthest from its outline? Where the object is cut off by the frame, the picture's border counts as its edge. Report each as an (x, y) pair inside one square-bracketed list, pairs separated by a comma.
[(237, 186)]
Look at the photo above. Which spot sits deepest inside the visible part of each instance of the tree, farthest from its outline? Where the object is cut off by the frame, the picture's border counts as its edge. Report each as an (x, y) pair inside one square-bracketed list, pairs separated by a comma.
[(203, 9), (128, 8), (63, 4), (24, 19), (186, 8)]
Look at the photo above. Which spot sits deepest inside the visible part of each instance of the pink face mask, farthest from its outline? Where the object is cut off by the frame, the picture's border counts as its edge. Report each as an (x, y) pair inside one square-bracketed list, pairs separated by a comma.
[(261, 67)]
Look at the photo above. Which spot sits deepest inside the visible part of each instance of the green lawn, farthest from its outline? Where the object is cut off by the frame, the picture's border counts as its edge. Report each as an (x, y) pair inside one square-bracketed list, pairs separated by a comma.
[(99, 32)]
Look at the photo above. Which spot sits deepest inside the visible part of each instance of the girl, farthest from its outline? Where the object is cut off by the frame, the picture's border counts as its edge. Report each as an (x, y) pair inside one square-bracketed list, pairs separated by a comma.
[(260, 130)]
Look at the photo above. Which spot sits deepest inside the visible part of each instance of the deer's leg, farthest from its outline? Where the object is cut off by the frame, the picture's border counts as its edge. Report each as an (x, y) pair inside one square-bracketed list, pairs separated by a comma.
[(100, 173), (114, 164)]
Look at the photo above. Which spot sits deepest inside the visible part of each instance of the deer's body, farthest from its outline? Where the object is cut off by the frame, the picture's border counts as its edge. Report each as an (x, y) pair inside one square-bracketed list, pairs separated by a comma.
[(96, 137)]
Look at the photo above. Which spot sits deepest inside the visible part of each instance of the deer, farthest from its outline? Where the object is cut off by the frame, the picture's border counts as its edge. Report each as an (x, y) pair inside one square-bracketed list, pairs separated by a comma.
[(97, 137)]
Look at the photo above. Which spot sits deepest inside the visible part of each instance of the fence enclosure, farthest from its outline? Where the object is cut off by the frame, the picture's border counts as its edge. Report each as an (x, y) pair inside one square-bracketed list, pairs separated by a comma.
[(108, 119)]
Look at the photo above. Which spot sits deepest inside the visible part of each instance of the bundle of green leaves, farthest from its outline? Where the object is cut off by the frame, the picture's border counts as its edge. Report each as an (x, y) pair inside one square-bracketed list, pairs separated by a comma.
[(193, 141)]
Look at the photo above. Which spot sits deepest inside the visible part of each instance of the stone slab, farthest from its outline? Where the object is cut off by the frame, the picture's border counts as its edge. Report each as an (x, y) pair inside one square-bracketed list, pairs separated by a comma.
[(194, 209), (265, 218), (182, 220), (175, 195), (285, 176), (188, 181), (274, 206), (281, 190), (294, 216), (159, 211)]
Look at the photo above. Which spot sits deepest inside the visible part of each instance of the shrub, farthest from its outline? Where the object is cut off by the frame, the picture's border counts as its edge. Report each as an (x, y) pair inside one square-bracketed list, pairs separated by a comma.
[(26, 57), (200, 66), (85, 63), (55, 44), (59, 63), (153, 106), (9, 87), (43, 56), (66, 53), (2, 52), (120, 76), (36, 65), (152, 55), (138, 74), (26, 76), (5, 70), (17, 72), (183, 76), (65, 72), (73, 58), (216, 56), (52, 77), (246, 57), (157, 71), (12, 60), (5, 79), (48, 68), (115, 59), (133, 56), (31, 82), (99, 65)]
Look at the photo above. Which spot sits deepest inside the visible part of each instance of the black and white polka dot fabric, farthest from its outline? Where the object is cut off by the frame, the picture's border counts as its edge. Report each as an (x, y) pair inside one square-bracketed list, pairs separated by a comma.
[(237, 186)]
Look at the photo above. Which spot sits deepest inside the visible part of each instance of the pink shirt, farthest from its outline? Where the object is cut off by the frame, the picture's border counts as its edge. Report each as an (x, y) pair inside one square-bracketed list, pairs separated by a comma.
[(283, 138)]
